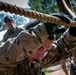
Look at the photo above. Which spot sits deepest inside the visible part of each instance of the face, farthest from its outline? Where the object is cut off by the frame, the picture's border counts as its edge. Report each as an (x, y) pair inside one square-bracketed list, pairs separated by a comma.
[(8, 23), (47, 43), (41, 52)]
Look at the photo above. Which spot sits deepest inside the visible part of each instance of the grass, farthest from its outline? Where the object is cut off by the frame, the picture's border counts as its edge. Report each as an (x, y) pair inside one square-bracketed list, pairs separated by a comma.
[(47, 72)]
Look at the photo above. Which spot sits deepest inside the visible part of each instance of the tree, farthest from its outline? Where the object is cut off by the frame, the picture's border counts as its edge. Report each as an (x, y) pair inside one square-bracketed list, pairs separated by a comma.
[(73, 3), (47, 6), (44, 6)]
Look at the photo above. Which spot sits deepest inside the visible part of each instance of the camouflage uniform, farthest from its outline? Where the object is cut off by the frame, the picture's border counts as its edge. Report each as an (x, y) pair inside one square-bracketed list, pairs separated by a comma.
[(12, 33), (13, 59), (61, 49)]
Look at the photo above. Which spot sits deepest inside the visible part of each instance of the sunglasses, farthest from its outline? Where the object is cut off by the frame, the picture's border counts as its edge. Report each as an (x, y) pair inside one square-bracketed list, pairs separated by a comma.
[(8, 21)]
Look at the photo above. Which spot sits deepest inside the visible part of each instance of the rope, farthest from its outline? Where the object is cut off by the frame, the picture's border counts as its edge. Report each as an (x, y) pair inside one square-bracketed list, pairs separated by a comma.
[(33, 14), (63, 8)]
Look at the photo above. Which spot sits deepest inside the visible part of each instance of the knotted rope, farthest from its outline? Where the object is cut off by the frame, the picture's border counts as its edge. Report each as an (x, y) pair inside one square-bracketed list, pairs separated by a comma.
[(33, 14)]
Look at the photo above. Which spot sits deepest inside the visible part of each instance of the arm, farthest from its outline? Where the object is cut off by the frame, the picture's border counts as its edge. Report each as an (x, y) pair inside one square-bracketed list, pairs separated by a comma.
[(24, 44), (28, 41), (61, 49)]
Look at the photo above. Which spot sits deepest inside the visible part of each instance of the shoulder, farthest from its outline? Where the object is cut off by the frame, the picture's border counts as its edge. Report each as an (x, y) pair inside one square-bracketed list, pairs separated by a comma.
[(19, 28), (6, 33)]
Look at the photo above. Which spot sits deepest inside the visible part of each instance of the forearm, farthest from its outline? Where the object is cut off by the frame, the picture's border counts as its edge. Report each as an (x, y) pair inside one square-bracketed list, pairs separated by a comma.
[(60, 50)]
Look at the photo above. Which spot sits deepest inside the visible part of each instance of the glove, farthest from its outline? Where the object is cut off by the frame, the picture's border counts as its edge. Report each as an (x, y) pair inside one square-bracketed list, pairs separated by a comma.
[(53, 28), (59, 30), (63, 17)]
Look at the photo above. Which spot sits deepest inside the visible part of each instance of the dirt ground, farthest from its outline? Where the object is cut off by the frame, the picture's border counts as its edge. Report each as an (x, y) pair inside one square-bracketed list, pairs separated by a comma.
[(60, 72), (57, 70)]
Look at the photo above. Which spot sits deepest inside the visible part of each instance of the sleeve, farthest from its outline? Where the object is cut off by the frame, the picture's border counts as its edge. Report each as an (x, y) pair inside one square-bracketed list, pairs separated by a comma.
[(24, 44), (60, 50), (32, 39), (21, 29), (11, 54)]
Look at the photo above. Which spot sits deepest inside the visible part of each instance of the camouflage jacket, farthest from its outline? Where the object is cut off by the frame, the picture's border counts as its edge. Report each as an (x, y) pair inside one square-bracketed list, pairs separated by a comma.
[(12, 33), (60, 50), (14, 52), (22, 68)]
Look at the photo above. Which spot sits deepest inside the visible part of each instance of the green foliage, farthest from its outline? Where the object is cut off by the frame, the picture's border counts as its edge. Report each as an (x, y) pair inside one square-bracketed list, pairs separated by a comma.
[(73, 3), (48, 6), (44, 6)]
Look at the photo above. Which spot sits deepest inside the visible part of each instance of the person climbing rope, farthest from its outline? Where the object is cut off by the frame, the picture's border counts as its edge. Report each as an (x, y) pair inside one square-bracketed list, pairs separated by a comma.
[(27, 46)]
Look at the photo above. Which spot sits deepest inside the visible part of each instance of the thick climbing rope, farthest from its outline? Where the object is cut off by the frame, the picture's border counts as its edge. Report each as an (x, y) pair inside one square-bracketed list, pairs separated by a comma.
[(63, 8), (33, 14)]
